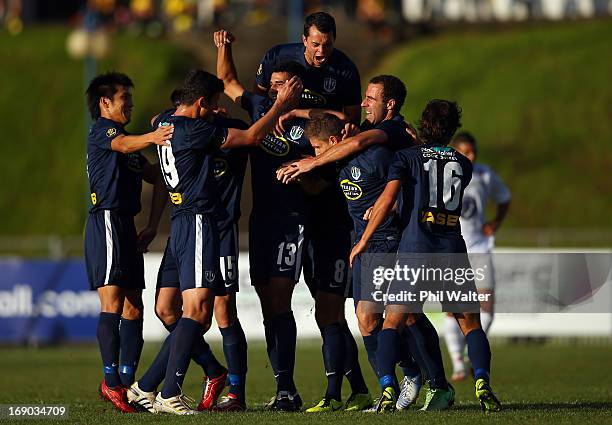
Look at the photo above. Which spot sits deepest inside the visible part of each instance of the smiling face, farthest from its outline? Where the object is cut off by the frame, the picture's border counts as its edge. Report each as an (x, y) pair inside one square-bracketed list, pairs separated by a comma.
[(319, 47), (373, 104), (119, 108)]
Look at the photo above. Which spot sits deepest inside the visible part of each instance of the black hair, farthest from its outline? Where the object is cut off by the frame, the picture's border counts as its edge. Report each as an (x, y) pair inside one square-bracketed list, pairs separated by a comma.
[(292, 68), (175, 97), (323, 126), (393, 88), (439, 121), (199, 83), (324, 22), (104, 85), (466, 137)]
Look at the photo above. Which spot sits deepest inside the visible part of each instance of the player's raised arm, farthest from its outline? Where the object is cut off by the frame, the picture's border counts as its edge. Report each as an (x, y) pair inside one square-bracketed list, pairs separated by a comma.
[(152, 175), (306, 114), (226, 69), (380, 211), (134, 143), (288, 96)]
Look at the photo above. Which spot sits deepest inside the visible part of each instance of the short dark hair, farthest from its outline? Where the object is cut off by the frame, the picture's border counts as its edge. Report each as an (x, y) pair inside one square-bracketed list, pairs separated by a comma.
[(439, 121), (292, 68), (393, 88), (199, 83), (175, 97), (466, 137), (324, 22), (104, 85), (323, 126)]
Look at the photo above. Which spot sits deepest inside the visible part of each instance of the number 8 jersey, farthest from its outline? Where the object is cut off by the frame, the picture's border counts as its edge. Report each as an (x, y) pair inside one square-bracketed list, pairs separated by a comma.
[(433, 179)]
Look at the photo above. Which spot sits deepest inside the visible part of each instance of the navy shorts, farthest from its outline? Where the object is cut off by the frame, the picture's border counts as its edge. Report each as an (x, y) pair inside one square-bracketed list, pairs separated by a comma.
[(326, 263), (194, 244), (363, 291), (111, 257), (168, 277), (275, 247)]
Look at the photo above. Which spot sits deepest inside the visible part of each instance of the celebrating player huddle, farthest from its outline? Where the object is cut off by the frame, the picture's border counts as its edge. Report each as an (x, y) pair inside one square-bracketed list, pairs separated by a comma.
[(331, 198)]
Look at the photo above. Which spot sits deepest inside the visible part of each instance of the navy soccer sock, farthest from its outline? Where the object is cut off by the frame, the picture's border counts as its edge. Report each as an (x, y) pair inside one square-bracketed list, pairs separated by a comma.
[(352, 369), (186, 333), (203, 355), (333, 358), (371, 344), (271, 347), (479, 352), (130, 335), (409, 366), (108, 341), (386, 358), (235, 350), (156, 372), (286, 335), (425, 349)]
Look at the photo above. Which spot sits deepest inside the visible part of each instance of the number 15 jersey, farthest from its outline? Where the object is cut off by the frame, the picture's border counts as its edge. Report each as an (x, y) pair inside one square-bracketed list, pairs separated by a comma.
[(433, 179)]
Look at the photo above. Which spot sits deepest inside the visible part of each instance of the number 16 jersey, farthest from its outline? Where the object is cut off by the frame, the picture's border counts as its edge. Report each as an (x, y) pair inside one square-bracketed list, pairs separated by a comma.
[(433, 179)]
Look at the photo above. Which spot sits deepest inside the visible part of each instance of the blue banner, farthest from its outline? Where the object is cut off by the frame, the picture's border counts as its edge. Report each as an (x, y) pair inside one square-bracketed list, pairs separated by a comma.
[(46, 302)]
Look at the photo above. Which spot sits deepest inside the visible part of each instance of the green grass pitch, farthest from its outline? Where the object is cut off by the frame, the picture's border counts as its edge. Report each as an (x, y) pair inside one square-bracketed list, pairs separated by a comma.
[(536, 383)]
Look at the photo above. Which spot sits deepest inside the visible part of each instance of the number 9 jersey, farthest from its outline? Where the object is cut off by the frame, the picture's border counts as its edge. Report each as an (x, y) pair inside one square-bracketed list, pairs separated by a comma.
[(433, 179)]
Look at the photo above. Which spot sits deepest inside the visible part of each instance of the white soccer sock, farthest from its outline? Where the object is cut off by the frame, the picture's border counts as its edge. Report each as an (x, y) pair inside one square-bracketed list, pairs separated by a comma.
[(455, 342), (486, 319)]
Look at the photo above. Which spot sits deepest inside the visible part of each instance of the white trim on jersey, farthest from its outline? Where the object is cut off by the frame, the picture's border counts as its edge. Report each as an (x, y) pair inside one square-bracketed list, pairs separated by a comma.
[(108, 226), (198, 251), (298, 260)]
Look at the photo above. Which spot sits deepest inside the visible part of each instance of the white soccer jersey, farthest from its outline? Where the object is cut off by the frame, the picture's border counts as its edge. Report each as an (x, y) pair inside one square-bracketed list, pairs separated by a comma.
[(485, 185)]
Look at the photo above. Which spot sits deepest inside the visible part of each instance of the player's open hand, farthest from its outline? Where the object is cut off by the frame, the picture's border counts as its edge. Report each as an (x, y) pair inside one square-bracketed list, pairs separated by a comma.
[(293, 171), (357, 249), (223, 37), (162, 134), (282, 120), (290, 92), (368, 213), (145, 237)]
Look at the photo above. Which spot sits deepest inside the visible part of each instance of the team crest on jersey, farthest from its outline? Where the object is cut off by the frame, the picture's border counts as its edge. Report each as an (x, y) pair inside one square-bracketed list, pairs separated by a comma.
[(351, 190), (219, 167), (329, 84), (355, 173), (111, 132), (296, 132), (209, 275), (277, 146)]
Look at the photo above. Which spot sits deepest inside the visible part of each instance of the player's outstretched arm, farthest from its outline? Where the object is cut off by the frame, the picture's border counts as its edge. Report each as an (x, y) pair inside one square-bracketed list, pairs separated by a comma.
[(338, 152), (152, 174), (135, 143), (306, 114), (287, 98), (382, 208), (226, 69)]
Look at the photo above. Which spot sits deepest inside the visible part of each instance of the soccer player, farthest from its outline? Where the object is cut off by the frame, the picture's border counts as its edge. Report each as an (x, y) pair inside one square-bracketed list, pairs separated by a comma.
[(478, 233), (113, 250), (187, 167), (277, 221), (228, 169), (431, 179), (331, 79)]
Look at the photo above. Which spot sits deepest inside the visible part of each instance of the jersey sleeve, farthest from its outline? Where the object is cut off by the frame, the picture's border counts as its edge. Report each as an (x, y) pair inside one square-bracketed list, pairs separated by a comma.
[(351, 93), (102, 134), (248, 103), (206, 136), (498, 191), (262, 77), (400, 167)]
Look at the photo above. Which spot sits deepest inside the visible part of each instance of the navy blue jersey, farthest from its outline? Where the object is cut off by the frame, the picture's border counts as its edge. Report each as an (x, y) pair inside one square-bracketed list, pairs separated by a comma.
[(364, 177), (229, 168), (337, 82), (433, 180), (187, 165), (270, 196), (329, 213), (115, 178)]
